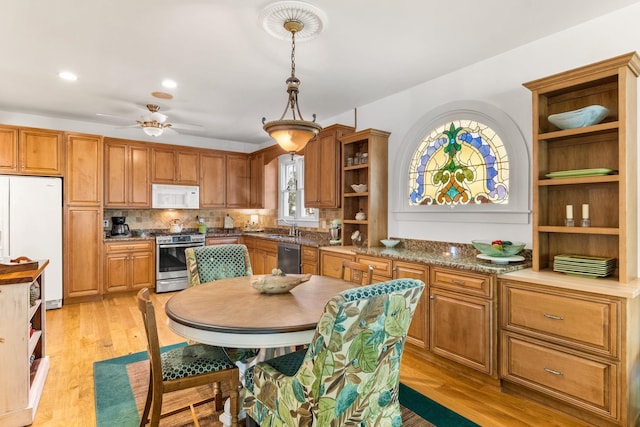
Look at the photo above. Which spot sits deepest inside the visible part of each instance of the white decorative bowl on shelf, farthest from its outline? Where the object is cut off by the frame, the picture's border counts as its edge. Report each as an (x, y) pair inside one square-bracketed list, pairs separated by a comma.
[(587, 116), (359, 188), (389, 243)]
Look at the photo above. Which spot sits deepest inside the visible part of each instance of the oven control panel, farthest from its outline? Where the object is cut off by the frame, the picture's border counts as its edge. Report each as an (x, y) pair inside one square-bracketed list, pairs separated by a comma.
[(179, 238)]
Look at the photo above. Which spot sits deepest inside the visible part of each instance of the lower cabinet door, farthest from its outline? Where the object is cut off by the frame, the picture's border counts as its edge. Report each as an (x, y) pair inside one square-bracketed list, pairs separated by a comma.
[(587, 382), (460, 329)]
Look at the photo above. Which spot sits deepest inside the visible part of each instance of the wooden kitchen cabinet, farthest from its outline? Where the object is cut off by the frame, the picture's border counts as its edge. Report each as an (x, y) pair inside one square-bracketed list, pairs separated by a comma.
[(331, 258), (83, 235), (25, 363), (265, 256), (256, 181), (609, 145), (175, 166), (213, 180), (83, 174), (574, 350), (127, 174), (31, 151), (323, 168), (462, 324), (309, 260), (129, 266), (237, 187), (418, 334), (385, 269), (373, 173)]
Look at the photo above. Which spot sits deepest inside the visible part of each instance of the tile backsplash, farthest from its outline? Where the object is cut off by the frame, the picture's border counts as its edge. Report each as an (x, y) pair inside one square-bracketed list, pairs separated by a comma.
[(158, 219)]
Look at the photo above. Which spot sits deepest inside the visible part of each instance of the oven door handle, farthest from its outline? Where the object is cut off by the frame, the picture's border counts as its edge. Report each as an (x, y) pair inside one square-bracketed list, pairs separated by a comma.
[(180, 245)]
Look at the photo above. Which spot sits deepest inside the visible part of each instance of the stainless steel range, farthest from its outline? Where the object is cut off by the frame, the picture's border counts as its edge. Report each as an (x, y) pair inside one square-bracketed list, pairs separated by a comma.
[(171, 264)]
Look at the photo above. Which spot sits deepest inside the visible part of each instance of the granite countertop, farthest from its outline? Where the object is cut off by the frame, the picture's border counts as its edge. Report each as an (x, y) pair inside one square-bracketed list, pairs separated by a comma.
[(445, 257)]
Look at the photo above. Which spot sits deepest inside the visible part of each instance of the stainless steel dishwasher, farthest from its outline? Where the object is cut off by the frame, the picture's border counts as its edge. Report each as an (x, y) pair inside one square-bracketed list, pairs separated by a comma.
[(289, 259)]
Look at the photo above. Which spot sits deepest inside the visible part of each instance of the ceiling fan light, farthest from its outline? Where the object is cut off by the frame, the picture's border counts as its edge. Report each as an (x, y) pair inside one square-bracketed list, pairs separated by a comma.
[(292, 135), (152, 130)]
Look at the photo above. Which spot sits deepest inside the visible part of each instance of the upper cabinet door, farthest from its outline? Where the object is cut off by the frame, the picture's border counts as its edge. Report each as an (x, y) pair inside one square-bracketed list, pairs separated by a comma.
[(322, 168), (213, 180), (175, 167), (83, 177), (8, 149), (127, 182), (237, 181), (40, 152)]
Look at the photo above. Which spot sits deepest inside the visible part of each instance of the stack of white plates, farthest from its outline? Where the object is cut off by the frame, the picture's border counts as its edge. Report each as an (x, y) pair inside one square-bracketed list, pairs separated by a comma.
[(584, 265)]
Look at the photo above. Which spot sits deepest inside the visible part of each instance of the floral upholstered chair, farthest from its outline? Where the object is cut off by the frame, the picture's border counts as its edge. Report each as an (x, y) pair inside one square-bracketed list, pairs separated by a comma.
[(350, 373), (209, 263)]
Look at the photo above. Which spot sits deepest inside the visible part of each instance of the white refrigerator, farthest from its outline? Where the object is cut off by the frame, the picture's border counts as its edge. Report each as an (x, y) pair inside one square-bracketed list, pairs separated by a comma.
[(31, 226)]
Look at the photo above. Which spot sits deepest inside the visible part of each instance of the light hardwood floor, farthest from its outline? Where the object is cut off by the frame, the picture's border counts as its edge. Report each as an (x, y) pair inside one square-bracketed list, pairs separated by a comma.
[(79, 334)]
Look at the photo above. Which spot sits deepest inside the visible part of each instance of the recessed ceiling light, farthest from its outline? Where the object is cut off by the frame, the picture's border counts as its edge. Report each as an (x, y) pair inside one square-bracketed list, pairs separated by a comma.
[(169, 84), (66, 75)]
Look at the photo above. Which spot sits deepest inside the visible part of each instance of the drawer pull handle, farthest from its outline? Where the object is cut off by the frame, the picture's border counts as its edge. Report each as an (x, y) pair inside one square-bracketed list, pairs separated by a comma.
[(551, 316), (458, 282), (551, 371)]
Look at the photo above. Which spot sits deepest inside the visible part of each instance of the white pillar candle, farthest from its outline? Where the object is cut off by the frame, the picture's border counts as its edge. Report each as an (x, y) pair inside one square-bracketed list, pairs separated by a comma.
[(569, 211), (585, 211)]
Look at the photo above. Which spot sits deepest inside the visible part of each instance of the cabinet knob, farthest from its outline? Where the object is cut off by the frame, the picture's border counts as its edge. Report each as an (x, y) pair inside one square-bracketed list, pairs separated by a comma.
[(432, 297)]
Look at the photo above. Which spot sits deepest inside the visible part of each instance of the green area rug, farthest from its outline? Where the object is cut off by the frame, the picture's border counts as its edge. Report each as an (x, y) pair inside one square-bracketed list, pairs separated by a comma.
[(120, 387)]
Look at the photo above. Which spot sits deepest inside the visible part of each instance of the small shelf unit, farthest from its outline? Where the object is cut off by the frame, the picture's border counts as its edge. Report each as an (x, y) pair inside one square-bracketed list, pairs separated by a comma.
[(611, 144), (373, 173)]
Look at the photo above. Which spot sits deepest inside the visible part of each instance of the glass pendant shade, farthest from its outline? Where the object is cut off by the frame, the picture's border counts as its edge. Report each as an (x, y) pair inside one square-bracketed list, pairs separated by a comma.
[(292, 135), (153, 131)]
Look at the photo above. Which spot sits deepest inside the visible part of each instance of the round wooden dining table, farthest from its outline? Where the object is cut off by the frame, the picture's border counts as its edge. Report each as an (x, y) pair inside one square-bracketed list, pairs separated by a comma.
[(231, 313)]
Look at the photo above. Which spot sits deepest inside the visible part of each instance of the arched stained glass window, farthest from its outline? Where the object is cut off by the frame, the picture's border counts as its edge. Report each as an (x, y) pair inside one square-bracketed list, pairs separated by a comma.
[(460, 162)]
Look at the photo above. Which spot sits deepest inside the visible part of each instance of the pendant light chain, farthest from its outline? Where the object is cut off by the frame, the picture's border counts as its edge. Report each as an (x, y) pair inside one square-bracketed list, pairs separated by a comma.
[(293, 53)]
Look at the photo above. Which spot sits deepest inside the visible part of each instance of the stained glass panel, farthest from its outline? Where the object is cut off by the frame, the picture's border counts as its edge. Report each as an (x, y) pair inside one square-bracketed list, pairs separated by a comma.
[(460, 162)]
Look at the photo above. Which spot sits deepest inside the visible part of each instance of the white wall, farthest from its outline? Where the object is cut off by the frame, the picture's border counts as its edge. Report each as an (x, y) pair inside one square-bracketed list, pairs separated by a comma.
[(497, 81)]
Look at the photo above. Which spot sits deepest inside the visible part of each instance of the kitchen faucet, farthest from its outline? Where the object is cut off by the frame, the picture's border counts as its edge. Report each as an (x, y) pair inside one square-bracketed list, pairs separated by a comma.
[(293, 231)]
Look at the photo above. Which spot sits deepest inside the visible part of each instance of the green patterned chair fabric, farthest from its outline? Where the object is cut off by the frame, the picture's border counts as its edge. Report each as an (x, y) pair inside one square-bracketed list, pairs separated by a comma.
[(350, 373), (209, 263), (193, 360)]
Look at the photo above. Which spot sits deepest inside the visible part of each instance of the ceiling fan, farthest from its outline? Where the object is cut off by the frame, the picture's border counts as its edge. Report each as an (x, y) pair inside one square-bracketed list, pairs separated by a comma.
[(155, 123)]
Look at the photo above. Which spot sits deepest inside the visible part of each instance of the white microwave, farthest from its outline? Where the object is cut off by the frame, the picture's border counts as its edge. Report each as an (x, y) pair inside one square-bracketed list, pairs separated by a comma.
[(165, 196)]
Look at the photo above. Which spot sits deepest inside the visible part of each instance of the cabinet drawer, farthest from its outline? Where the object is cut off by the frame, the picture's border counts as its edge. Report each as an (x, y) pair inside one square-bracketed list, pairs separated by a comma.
[(583, 322), (580, 380), (266, 245), (210, 241), (381, 266), (462, 281), (331, 263), (128, 247)]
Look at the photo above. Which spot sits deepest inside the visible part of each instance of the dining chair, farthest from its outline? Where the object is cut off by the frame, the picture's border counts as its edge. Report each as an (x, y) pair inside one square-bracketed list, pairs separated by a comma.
[(209, 263), (182, 368), (360, 273), (350, 373), (215, 262)]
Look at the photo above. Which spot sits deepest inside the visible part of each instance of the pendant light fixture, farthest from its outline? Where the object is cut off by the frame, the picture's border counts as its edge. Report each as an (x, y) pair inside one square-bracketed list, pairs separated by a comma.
[(292, 134)]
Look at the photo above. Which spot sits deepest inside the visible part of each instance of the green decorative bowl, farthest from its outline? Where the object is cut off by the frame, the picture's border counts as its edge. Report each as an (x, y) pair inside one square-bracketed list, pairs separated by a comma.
[(498, 250)]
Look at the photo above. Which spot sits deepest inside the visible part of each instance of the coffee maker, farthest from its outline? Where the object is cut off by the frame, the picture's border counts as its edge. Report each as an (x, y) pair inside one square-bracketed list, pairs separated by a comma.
[(118, 226)]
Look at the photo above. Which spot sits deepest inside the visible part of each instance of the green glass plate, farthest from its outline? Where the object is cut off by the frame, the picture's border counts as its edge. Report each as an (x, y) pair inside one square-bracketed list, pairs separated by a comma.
[(579, 173)]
